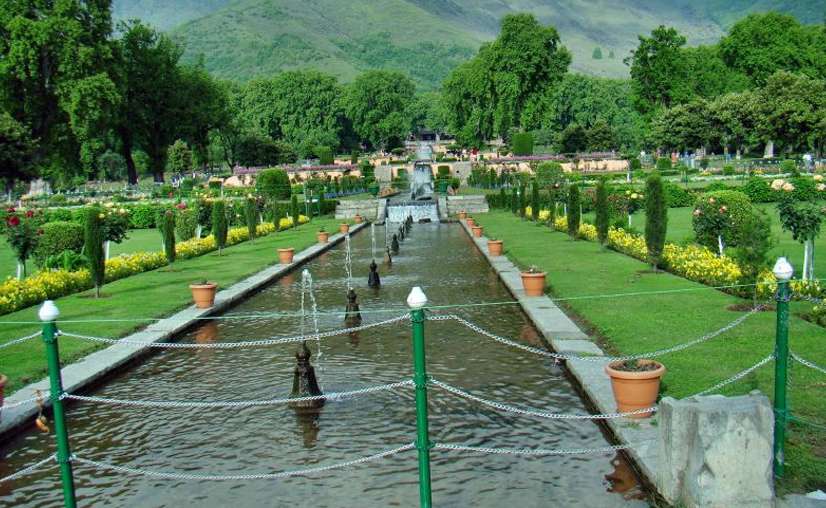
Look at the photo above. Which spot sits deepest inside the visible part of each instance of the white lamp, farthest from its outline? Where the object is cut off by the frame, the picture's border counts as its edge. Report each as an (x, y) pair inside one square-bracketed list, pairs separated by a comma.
[(48, 311), (783, 270), (416, 299)]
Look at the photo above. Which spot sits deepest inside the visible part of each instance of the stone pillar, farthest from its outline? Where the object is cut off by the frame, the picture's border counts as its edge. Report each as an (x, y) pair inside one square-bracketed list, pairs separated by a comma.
[(716, 452)]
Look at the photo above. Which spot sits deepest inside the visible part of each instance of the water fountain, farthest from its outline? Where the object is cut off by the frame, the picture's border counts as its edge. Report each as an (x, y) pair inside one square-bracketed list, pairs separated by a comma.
[(394, 245), (373, 279), (352, 315), (307, 292), (388, 259)]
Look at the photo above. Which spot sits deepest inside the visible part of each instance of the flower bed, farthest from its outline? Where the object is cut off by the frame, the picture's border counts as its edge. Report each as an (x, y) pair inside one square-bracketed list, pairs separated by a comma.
[(50, 284)]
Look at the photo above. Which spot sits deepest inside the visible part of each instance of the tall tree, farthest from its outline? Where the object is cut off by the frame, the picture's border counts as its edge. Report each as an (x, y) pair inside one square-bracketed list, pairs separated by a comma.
[(656, 217), (16, 151), (659, 70), (791, 109), (378, 104)]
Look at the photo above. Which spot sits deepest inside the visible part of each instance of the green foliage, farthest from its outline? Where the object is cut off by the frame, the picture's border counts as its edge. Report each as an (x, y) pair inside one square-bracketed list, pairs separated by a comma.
[(523, 199), (574, 215), (522, 143), (597, 53), (634, 163), (790, 167), (378, 105), (790, 110), (16, 151), (354, 157), (251, 217), (142, 216), (656, 215), (455, 183), (93, 247), (603, 214), (535, 201), (261, 150), (720, 213), (678, 197), (754, 241), (550, 176), (277, 214), (180, 157), (168, 232), (663, 164), (273, 184), (758, 190), (57, 237), (659, 73), (601, 136), (325, 155), (573, 139), (186, 224), (802, 219), (67, 260), (219, 224), (295, 211)]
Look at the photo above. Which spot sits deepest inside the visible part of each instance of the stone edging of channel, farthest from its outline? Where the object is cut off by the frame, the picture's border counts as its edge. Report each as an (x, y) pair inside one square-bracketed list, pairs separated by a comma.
[(95, 366), (565, 336)]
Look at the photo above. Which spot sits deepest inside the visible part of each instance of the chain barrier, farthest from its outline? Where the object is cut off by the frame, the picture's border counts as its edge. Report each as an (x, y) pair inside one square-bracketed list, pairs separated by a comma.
[(810, 299), (18, 341), (235, 403), (535, 412), (736, 377), (30, 469), (243, 344), (803, 421), (240, 477), (26, 401), (807, 363), (536, 451), (558, 356)]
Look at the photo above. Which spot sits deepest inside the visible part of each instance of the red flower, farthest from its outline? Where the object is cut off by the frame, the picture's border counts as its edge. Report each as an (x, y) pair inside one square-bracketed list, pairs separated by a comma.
[(29, 214), (13, 221), (181, 206), (10, 209)]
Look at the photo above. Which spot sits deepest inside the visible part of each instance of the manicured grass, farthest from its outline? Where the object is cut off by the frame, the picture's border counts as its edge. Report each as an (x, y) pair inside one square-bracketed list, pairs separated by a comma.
[(138, 240), (681, 230), (148, 295), (636, 324)]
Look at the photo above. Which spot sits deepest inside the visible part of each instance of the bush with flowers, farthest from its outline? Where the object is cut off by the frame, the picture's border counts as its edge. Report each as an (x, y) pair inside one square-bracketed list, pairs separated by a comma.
[(22, 232)]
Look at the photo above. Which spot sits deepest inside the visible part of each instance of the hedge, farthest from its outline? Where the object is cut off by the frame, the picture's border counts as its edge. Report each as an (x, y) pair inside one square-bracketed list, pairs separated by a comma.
[(58, 236)]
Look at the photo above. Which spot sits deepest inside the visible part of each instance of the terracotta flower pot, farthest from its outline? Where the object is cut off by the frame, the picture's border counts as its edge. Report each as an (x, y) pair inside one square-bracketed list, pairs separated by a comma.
[(323, 236), (285, 256), (635, 390), (470, 222), (203, 294), (533, 283), (477, 231), (343, 228), (3, 380), (358, 219), (462, 215), (495, 247)]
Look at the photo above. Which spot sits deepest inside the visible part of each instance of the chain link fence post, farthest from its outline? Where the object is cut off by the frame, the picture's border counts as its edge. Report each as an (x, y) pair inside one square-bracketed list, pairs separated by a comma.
[(783, 272), (416, 301), (48, 313)]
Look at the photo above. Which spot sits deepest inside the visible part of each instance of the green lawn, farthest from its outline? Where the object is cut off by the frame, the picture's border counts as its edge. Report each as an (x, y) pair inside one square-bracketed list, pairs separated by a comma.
[(680, 230), (138, 240), (636, 324), (153, 294)]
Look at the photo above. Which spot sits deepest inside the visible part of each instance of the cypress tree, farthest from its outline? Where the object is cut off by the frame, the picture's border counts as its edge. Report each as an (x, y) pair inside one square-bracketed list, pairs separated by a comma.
[(93, 247), (523, 200), (535, 201), (656, 216), (573, 211), (503, 198), (251, 216), (219, 224), (294, 210), (277, 215), (602, 213), (514, 201), (168, 230)]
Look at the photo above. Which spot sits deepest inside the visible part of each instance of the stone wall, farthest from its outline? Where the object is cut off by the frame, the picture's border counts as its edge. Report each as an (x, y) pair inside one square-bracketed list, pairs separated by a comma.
[(470, 203), (347, 209)]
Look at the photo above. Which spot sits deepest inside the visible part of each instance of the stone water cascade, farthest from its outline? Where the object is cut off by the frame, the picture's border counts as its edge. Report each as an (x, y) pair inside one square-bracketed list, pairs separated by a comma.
[(419, 211)]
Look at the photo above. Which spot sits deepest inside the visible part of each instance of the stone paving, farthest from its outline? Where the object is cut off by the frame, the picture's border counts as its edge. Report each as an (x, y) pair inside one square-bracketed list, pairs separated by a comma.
[(95, 366)]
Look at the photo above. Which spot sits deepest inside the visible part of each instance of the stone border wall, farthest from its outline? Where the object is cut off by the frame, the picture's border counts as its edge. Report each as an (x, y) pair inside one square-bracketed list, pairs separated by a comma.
[(94, 367)]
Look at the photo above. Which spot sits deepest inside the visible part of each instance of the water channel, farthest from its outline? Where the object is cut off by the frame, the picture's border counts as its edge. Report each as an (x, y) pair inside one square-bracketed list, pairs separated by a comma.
[(443, 261)]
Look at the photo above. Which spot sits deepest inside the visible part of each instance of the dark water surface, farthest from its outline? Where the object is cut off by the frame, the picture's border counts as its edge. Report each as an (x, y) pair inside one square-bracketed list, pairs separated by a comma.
[(443, 261)]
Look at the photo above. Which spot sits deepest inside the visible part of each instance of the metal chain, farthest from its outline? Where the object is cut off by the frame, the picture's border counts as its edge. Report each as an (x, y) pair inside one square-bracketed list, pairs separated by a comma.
[(736, 377), (233, 345), (536, 412), (811, 299), (807, 363), (260, 476), (18, 341), (26, 401), (238, 403), (535, 451), (33, 467), (652, 354)]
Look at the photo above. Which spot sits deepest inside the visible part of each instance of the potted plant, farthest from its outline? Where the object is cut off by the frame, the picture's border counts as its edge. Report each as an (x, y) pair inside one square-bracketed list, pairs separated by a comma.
[(636, 384), (285, 256), (533, 282), (495, 247), (477, 231), (323, 236), (343, 228), (358, 219), (470, 222), (203, 293), (462, 215)]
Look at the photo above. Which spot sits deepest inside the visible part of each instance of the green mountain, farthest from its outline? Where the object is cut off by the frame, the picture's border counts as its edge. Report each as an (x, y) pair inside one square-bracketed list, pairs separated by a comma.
[(241, 39)]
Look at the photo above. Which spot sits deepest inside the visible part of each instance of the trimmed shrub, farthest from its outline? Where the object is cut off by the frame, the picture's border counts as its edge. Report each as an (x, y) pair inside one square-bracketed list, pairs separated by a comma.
[(251, 216), (603, 215), (522, 143), (535, 201), (789, 166), (635, 163), (142, 216), (325, 155), (758, 190), (678, 197), (273, 184), (219, 224), (294, 210), (179, 157), (443, 171), (574, 215), (93, 247), (354, 157), (754, 241), (57, 237), (728, 170), (656, 215), (186, 224), (663, 164), (168, 230)]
